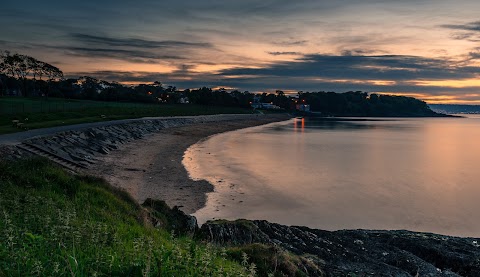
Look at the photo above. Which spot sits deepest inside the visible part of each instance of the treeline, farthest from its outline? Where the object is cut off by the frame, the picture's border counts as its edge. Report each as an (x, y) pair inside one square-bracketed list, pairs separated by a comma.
[(363, 104), (89, 88), (24, 75)]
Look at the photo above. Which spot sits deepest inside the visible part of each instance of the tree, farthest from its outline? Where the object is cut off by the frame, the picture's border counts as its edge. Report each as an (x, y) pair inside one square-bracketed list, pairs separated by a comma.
[(8, 65), (37, 69), (52, 73), (22, 67), (3, 70), (89, 87), (11, 65), (2, 62), (171, 89)]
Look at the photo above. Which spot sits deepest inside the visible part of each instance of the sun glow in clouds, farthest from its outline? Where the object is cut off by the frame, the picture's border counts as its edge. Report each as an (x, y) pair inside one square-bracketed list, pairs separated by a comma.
[(467, 83), (257, 45)]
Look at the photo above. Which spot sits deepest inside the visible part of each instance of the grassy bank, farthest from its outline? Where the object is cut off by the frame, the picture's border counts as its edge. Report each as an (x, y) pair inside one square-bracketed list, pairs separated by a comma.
[(43, 113), (56, 224)]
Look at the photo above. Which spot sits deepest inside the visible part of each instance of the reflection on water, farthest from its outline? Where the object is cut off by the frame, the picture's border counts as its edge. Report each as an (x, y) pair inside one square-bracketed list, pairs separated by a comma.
[(305, 124), (416, 174)]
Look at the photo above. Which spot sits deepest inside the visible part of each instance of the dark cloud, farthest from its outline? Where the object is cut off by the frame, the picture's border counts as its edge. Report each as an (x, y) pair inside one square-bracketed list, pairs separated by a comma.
[(462, 36), (121, 76), (284, 53), (130, 49), (360, 52), (291, 42), (135, 42), (185, 69), (182, 78), (119, 54), (471, 26), (385, 67), (468, 31), (8, 45), (474, 55)]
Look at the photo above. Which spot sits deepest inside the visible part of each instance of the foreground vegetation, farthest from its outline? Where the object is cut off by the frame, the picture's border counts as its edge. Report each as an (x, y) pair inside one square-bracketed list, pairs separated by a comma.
[(53, 223), (40, 113), (57, 224)]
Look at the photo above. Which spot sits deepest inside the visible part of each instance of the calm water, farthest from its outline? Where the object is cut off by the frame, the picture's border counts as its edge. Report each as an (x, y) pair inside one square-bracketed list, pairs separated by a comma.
[(415, 174)]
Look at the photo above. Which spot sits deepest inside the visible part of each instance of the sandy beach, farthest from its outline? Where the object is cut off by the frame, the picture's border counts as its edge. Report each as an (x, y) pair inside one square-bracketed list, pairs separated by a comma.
[(152, 167)]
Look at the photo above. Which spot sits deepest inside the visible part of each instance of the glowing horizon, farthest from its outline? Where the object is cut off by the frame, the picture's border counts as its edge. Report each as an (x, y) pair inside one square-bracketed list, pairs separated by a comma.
[(426, 48)]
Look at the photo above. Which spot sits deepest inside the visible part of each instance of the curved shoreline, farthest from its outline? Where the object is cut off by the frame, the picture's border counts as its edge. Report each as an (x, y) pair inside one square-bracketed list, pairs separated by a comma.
[(152, 167)]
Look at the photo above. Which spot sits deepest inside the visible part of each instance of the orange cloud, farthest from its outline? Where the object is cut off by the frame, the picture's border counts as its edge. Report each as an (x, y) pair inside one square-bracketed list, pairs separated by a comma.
[(465, 83)]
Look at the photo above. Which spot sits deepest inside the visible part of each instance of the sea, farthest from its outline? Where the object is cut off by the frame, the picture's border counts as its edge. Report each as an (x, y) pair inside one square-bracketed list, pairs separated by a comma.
[(418, 174)]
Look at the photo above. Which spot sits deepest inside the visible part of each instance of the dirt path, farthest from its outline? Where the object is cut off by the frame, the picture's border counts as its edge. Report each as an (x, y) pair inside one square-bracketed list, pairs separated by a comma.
[(16, 138)]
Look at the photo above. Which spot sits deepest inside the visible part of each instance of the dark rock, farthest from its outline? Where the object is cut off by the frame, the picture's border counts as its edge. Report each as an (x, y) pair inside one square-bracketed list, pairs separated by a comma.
[(358, 252), (103, 150), (8, 152), (240, 232), (172, 219)]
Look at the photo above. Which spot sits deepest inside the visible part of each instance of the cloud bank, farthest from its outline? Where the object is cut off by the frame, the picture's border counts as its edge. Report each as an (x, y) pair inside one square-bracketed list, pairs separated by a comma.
[(422, 47)]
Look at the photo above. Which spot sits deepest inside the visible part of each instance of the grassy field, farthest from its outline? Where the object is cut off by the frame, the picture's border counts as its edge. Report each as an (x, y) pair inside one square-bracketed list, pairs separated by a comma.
[(41, 113), (56, 224)]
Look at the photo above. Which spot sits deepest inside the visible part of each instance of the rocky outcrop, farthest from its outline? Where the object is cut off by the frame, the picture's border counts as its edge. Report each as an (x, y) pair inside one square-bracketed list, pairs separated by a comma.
[(171, 219), (357, 252)]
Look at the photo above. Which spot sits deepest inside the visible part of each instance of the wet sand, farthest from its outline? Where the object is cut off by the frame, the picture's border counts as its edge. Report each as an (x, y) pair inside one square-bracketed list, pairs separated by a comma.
[(152, 167)]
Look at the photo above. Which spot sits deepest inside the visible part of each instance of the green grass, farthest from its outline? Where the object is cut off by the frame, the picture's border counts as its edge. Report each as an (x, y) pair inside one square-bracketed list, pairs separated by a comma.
[(53, 223), (42, 113)]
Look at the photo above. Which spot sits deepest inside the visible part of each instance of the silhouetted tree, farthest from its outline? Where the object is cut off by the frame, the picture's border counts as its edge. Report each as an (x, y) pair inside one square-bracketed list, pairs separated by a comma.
[(8, 65), (22, 67)]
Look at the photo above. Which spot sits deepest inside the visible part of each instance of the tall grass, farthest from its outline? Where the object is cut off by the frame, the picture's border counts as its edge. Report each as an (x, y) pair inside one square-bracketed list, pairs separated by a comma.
[(53, 223)]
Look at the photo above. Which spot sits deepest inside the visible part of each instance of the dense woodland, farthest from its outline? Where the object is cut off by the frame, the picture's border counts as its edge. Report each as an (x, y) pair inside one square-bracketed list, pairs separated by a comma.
[(22, 75)]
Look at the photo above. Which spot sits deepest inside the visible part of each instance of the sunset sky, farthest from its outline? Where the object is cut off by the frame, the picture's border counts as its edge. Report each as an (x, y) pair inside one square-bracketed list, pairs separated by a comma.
[(424, 48)]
